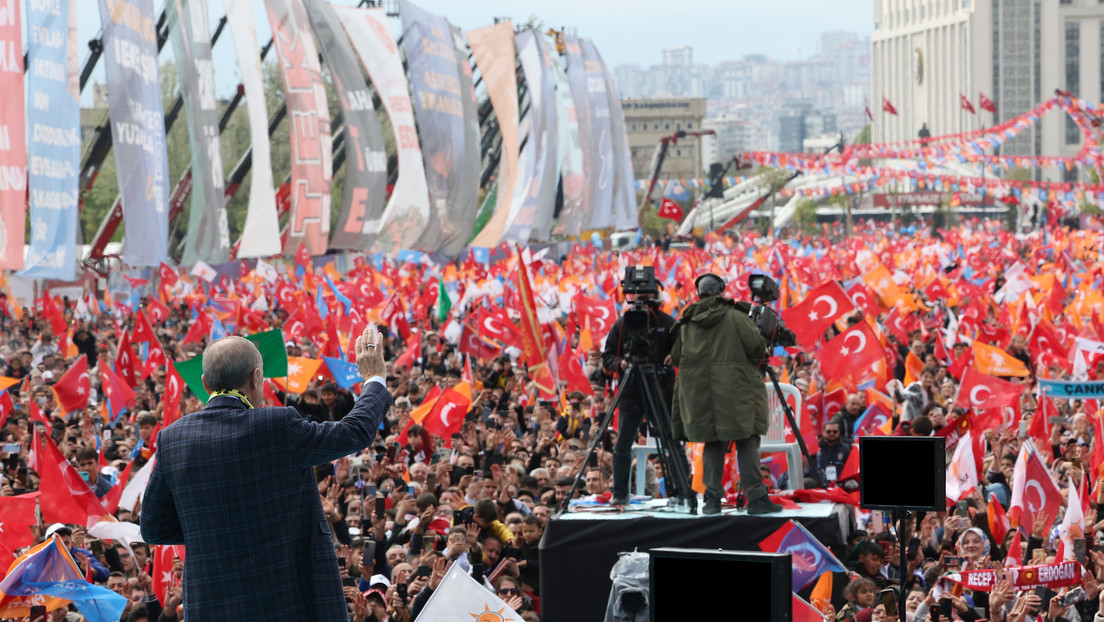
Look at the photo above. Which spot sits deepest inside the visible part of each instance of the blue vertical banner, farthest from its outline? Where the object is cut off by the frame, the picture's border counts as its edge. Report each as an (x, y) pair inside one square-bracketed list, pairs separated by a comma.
[(137, 127), (53, 119)]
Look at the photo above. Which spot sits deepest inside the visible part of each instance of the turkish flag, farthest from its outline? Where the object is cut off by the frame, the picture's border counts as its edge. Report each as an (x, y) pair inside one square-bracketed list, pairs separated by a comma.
[(200, 328), (864, 299), (670, 209), (302, 258), (367, 294), (126, 362), (812, 316), (1033, 488), (571, 371), (174, 391), (142, 329), (834, 402), (854, 351), (447, 415), (72, 389), (53, 315), (17, 514), (474, 346), (598, 315), (896, 325), (888, 107), (65, 498), (115, 495), (163, 557), (115, 389), (498, 327), (966, 105), (1046, 342), (157, 312), (986, 104), (167, 274), (981, 392)]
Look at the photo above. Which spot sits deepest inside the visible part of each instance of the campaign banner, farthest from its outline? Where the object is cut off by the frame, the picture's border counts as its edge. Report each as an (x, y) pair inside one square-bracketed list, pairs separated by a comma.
[(137, 127), (1072, 390), (13, 144), (53, 115), (535, 193), (407, 212), (493, 49), (625, 215), (601, 183), (572, 179), (451, 159), (588, 132), (261, 232), (309, 118), (208, 237), (1053, 576), (365, 191)]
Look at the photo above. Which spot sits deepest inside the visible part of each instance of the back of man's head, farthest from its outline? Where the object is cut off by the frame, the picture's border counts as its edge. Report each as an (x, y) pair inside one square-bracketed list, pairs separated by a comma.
[(229, 362), (709, 284), (922, 426), (486, 510)]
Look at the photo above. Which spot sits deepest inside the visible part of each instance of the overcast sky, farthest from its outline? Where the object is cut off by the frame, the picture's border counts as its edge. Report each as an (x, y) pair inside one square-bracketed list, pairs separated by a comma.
[(625, 32)]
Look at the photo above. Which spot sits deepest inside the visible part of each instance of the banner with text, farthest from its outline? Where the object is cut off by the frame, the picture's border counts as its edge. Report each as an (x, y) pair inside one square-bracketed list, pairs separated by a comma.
[(493, 49), (1053, 576), (365, 191), (261, 232), (570, 221), (471, 165), (137, 127), (407, 212), (1072, 390), (208, 237), (309, 119), (55, 143), (601, 184), (13, 144), (451, 161), (588, 130), (535, 194)]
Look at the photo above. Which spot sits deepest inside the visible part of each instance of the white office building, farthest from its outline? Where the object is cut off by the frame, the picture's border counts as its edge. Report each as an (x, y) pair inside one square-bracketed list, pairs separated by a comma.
[(926, 53)]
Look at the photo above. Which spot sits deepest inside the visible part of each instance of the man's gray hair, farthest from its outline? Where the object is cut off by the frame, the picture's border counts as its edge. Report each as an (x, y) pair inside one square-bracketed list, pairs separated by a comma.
[(229, 362)]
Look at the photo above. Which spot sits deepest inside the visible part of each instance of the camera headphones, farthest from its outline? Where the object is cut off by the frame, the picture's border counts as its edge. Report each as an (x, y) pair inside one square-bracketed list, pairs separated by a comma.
[(709, 284)]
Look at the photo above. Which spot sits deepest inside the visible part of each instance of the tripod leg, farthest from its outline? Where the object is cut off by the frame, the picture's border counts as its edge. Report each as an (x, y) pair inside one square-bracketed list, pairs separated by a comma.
[(607, 418), (676, 468)]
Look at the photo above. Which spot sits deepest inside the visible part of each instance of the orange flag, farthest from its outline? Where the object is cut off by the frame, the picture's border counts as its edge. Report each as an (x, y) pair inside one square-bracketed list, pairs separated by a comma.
[(913, 367), (993, 361), (300, 372), (532, 338)]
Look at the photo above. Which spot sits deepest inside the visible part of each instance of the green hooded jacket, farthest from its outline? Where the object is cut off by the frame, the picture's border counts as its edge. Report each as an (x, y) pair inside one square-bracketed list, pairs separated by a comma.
[(720, 394)]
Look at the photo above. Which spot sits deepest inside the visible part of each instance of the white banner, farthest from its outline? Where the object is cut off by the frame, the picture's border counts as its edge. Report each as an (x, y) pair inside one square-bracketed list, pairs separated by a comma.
[(407, 212), (261, 233)]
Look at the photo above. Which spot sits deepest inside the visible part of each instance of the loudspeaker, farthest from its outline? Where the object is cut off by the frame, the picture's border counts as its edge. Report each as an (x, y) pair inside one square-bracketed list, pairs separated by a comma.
[(903, 473), (690, 584)]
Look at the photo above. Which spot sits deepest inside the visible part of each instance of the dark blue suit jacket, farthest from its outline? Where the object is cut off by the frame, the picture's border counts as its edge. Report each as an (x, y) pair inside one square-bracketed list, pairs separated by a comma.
[(236, 487)]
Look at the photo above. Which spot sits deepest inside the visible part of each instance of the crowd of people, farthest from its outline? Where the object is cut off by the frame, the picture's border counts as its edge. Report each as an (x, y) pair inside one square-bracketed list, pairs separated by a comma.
[(404, 510)]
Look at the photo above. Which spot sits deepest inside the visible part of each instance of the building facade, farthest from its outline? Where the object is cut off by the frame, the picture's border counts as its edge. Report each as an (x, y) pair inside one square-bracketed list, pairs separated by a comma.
[(927, 54), (648, 120)]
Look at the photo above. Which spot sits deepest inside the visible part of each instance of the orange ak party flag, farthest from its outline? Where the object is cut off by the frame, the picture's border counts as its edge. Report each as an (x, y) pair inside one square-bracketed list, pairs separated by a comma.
[(993, 361)]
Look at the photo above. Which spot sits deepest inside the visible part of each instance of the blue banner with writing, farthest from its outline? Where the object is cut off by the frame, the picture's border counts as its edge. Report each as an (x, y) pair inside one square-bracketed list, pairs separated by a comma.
[(137, 127), (1072, 390), (54, 142)]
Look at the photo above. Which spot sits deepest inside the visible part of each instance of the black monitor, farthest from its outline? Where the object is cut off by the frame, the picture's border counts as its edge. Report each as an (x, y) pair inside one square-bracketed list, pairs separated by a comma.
[(903, 473), (676, 575)]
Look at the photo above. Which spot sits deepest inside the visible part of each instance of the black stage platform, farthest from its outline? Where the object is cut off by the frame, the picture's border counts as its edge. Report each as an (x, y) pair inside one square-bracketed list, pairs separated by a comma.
[(579, 548)]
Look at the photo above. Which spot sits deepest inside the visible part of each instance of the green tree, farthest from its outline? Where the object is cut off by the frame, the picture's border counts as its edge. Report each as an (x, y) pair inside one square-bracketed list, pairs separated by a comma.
[(805, 215)]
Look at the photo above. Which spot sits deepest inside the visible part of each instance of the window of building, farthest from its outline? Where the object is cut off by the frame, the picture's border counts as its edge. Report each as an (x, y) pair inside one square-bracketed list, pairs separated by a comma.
[(689, 125), (678, 126), (1073, 74), (678, 152), (634, 127), (666, 126)]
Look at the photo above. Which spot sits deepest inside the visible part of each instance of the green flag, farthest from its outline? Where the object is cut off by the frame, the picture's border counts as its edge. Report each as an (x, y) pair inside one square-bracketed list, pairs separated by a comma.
[(444, 303), (273, 352), (192, 373), (273, 355)]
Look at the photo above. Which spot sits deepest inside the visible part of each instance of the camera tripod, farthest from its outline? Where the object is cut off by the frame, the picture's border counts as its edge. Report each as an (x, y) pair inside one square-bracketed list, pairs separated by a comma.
[(793, 426), (658, 416)]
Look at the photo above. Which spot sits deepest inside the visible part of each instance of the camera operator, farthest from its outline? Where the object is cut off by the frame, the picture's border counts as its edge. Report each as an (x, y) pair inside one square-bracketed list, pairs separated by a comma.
[(615, 359), (720, 396)]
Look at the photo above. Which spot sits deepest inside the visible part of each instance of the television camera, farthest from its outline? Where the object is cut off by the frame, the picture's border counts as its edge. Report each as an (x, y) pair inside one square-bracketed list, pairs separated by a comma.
[(764, 291), (638, 322)]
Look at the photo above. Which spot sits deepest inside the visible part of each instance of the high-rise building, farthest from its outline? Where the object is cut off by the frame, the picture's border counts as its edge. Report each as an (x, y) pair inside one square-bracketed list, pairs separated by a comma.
[(927, 54), (678, 56)]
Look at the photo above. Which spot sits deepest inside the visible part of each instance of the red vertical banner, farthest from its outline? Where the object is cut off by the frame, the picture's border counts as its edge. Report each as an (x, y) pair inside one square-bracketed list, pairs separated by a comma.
[(532, 339), (309, 116), (13, 144)]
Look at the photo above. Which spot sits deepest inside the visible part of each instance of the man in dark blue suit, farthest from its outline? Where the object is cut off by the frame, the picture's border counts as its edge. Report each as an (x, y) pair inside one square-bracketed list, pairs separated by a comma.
[(235, 485)]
